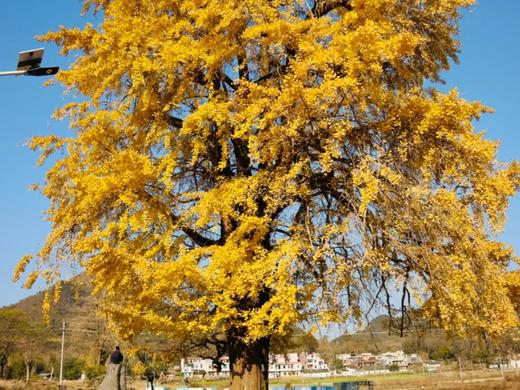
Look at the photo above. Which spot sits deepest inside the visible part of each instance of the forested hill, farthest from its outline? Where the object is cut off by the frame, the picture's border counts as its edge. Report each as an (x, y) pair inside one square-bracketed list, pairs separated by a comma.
[(75, 303), (86, 334)]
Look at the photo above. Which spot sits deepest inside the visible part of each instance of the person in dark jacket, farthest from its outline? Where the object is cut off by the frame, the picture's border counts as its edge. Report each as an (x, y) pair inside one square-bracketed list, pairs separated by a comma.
[(116, 357), (115, 378)]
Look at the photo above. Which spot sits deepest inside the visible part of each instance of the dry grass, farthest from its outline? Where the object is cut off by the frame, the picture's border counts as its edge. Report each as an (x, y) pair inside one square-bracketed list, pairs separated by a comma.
[(479, 380), (475, 380), (69, 385)]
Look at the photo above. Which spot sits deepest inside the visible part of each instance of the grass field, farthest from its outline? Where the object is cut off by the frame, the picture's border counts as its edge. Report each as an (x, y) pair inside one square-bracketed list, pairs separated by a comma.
[(450, 380)]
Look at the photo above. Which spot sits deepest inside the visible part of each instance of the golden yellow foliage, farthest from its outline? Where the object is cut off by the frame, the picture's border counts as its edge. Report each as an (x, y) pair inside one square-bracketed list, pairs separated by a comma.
[(240, 166)]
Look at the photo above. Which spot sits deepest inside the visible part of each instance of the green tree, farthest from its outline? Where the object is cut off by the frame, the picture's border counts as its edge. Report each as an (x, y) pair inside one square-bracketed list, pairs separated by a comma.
[(393, 368), (337, 364), (34, 341), (73, 368), (12, 324), (16, 368)]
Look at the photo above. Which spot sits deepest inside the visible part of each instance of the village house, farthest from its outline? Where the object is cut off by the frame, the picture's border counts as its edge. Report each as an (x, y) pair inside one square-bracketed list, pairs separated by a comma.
[(194, 367), (363, 361), (292, 364), (313, 362), (514, 362), (285, 365), (348, 360), (384, 361), (305, 364), (398, 359)]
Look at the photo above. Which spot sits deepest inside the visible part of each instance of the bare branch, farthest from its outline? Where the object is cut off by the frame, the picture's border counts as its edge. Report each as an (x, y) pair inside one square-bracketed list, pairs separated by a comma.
[(323, 7), (197, 238), (174, 121)]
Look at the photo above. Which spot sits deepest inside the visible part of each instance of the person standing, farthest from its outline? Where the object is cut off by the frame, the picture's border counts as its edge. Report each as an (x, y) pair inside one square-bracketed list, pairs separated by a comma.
[(115, 378), (116, 357), (150, 377)]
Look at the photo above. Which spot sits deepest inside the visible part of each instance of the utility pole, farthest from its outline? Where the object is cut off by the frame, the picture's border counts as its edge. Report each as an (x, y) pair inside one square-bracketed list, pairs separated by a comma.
[(61, 359)]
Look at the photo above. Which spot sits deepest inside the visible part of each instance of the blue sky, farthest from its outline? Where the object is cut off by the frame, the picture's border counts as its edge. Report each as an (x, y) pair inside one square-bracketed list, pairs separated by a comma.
[(489, 72)]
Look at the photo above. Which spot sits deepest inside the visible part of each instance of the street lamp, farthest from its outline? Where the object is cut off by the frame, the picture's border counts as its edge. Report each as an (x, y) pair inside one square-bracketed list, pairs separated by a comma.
[(29, 65)]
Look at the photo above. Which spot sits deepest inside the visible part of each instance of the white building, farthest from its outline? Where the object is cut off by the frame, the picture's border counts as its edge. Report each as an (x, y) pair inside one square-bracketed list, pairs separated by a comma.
[(432, 366), (292, 364), (399, 359), (314, 362), (281, 365), (193, 366)]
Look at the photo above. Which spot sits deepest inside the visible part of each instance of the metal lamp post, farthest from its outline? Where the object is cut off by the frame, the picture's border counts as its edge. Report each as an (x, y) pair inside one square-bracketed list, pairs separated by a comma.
[(29, 65)]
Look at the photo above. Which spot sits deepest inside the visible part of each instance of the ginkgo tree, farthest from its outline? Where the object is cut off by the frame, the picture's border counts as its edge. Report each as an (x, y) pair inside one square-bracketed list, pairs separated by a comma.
[(238, 167)]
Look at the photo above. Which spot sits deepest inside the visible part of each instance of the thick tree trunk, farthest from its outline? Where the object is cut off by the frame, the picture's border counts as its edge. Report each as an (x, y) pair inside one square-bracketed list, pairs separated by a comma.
[(249, 363)]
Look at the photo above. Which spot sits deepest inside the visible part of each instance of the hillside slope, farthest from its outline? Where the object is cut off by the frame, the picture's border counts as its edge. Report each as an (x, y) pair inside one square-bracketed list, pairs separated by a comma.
[(86, 334)]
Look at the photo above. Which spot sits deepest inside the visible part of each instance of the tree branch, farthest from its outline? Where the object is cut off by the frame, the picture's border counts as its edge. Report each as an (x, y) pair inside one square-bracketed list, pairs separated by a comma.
[(242, 156), (197, 238), (193, 235), (174, 121), (323, 7)]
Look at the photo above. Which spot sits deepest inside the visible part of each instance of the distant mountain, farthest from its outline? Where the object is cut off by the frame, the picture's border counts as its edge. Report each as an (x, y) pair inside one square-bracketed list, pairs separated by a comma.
[(86, 334), (75, 301), (378, 324), (418, 337)]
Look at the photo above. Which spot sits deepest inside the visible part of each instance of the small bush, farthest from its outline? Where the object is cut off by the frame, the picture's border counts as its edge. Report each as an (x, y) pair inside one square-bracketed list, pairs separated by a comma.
[(15, 367), (393, 368), (73, 368), (94, 371)]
